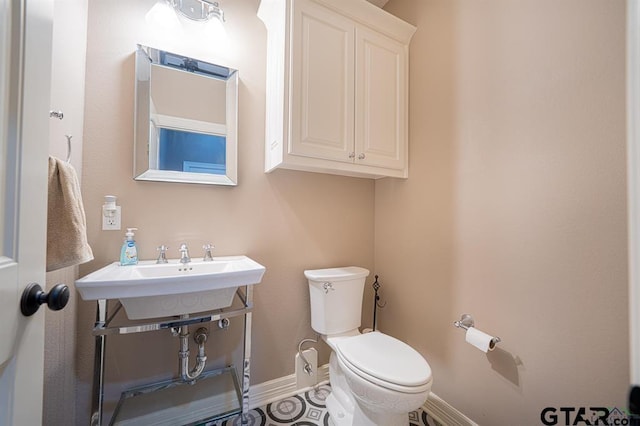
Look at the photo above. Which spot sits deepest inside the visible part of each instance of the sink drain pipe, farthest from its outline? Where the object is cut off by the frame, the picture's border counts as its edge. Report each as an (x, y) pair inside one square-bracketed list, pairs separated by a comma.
[(200, 337)]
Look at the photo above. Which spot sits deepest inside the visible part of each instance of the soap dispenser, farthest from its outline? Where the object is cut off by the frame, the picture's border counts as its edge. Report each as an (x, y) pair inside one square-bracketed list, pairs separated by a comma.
[(129, 251)]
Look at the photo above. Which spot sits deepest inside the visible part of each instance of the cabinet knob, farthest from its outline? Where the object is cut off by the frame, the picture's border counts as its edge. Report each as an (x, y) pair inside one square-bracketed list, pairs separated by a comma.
[(361, 156), (352, 155)]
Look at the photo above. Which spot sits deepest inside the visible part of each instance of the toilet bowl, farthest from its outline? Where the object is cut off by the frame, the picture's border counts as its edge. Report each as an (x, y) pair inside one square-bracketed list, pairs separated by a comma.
[(376, 380)]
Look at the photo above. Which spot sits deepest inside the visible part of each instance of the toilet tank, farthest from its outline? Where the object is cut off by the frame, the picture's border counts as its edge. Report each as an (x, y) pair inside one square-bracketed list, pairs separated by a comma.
[(336, 298)]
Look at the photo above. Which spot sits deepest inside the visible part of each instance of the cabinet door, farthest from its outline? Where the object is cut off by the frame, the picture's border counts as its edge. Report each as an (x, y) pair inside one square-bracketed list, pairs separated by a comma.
[(381, 99), (322, 96)]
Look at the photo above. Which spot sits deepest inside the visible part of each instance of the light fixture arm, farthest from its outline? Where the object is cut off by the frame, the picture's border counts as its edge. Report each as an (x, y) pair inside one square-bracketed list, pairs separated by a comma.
[(215, 10), (198, 10)]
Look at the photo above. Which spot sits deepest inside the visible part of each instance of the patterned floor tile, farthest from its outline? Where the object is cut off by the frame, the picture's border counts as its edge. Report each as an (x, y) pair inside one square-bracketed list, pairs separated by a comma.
[(256, 417), (288, 410), (306, 409)]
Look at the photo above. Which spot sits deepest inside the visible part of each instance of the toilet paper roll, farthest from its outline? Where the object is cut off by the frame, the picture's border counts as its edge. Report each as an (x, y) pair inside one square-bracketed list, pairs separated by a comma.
[(480, 339)]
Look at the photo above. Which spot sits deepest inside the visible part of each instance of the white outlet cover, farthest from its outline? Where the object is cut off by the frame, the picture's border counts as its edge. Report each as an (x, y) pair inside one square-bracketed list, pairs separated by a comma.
[(112, 224)]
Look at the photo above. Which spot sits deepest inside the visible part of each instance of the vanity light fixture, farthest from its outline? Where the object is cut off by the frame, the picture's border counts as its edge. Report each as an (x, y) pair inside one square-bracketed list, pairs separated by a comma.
[(198, 10)]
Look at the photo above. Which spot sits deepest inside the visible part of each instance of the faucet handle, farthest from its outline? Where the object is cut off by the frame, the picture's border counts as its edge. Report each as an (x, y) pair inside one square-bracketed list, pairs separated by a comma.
[(162, 257), (207, 252), (184, 254)]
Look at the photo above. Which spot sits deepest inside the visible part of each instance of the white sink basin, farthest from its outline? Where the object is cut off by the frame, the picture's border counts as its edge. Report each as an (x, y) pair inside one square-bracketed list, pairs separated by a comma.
[(149, 290)]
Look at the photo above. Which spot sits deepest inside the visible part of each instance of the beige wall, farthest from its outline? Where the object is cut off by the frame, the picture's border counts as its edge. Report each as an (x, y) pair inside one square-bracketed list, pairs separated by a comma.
[(515, 206), (514, 210), (67, 95), (288, 221)]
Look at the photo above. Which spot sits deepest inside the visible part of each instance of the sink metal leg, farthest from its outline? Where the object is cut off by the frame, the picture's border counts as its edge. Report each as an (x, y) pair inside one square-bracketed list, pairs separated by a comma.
[(98, 366), (245, 393), (246, 364)]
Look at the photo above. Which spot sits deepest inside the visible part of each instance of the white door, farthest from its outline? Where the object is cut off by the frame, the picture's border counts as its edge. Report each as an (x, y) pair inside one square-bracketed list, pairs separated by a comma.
[(25, 74)]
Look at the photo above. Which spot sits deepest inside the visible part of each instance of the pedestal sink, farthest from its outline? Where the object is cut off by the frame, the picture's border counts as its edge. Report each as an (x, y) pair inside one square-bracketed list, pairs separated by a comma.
[(150, 290)]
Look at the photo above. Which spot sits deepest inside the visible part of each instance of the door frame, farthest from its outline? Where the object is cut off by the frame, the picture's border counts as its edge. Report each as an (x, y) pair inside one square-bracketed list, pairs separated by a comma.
[(633, 185)]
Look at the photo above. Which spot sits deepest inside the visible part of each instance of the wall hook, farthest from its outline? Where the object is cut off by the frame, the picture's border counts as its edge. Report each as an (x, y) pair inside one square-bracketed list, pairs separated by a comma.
[(68, 147)]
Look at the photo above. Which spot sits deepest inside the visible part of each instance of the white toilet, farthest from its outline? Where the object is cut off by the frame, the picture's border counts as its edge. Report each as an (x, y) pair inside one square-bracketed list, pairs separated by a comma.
[(375, 379)]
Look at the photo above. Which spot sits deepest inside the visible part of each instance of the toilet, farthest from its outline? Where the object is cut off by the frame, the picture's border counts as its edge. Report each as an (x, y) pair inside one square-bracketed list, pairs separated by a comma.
[(375, 378)]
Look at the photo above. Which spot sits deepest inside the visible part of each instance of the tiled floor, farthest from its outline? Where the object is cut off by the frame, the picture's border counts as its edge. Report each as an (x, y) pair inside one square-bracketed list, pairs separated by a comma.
[(306, 409)]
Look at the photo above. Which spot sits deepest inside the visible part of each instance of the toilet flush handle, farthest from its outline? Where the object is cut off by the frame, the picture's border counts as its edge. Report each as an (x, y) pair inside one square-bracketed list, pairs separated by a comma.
[(327, 286)]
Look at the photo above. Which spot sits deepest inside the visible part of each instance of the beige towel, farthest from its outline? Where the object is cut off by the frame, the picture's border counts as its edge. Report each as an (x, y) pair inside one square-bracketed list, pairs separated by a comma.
[(66, 222)]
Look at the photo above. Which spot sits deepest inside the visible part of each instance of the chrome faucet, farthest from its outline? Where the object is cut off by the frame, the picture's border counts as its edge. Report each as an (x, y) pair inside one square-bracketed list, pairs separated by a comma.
[(162, 257), (207, 252), (184, 254)]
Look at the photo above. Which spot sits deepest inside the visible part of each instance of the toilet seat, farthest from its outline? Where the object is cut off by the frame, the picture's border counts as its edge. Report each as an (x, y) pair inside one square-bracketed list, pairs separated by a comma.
[(385, 361)]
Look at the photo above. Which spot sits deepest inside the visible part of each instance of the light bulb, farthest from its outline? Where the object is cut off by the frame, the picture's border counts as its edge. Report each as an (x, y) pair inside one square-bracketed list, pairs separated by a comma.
[(214, 31), (163, 16)]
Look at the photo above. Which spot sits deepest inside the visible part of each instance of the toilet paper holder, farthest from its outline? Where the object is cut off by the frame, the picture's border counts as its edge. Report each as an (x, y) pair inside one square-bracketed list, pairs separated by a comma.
[(466, 321)]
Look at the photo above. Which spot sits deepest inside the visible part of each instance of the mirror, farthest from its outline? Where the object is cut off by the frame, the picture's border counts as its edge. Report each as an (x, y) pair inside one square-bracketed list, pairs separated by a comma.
[(185, 119)]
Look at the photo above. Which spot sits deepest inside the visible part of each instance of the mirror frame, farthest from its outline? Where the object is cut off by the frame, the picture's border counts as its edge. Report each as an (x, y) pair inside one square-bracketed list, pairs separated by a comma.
[(144, 144)]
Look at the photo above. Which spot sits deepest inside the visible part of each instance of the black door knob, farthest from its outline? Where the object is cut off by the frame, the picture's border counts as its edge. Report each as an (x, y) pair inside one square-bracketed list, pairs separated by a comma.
[(33, 296)]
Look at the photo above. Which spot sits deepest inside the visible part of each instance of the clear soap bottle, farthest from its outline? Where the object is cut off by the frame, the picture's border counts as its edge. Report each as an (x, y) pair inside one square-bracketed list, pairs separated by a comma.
[(129, 251)]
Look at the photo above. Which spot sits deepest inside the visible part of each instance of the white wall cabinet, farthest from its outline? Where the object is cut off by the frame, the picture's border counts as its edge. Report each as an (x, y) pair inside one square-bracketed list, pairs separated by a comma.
[(337, 88)]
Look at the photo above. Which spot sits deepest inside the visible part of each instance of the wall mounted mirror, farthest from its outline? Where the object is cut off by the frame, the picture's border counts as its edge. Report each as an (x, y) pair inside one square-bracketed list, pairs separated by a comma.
[(186, 119)]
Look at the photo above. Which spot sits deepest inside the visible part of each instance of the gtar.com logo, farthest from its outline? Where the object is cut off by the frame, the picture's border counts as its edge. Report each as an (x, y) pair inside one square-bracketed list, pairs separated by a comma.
[(588, 416)]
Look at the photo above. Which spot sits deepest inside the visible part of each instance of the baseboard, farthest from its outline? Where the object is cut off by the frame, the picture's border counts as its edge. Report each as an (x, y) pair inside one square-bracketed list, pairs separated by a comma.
[(284, 387), (280, 388), (444, 413)]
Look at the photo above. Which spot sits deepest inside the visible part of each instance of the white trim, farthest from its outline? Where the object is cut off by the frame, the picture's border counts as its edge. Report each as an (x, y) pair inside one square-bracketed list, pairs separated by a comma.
[(633, 159), (444, 413), (285, 387), (187, 177), (188, 125)]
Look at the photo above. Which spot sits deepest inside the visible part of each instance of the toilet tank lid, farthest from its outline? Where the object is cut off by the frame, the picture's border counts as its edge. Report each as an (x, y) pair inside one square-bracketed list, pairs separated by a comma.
[(336, 274)]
